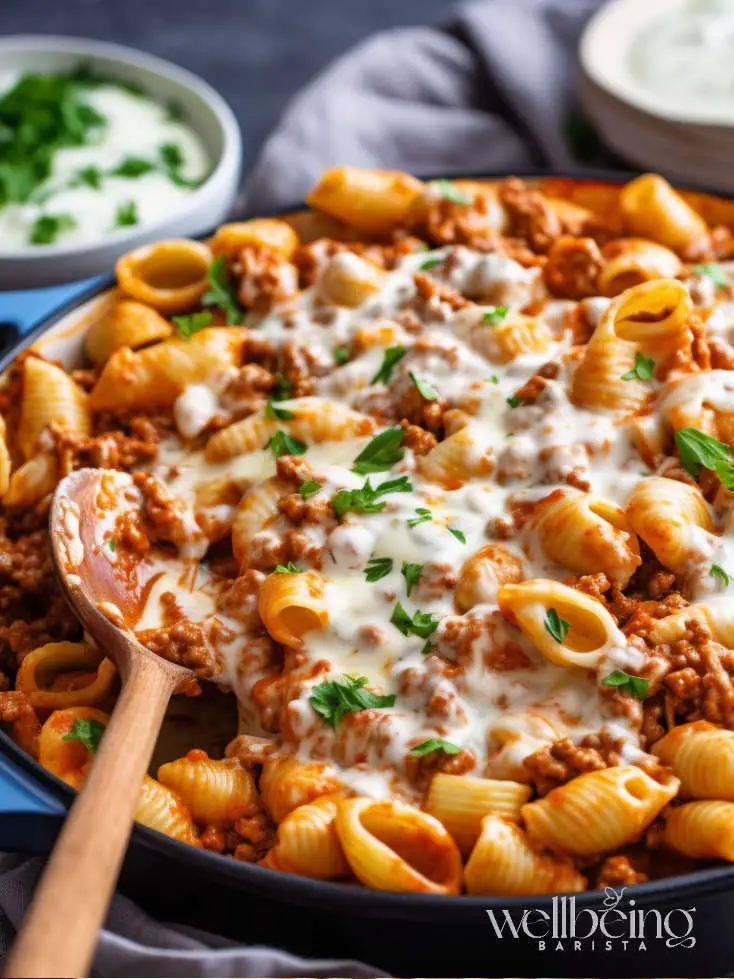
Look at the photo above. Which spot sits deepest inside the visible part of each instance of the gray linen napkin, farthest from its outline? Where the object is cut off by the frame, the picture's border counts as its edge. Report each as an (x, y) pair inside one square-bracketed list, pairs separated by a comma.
[(487, 92)]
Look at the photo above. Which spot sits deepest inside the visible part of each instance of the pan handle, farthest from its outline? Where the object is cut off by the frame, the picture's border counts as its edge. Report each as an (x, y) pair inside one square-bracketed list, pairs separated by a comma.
[(30, 815)]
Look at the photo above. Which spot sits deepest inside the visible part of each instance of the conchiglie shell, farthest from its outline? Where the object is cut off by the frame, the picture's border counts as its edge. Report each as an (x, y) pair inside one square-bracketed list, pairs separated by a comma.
[(391, 846), (291, 605), (322, 420), (460, 457), (246, 435), (654, 315), (171, 276), (598, 380), (631, 261), (503, 862), (597, 812), (349, 280), (716, 615), (32, 481), (702, 757), (128, 323), (278, 236), (374, 201), (483, 573), (307, 843), (664, 513), (214, 791), (586, 534), (161, 809), (651, 208), (68, 760), (460, 802), (699, 401), (60, 658), (255, 510), (155, 376), (286, 784), (511, 338), (702, 830), (49, 395)]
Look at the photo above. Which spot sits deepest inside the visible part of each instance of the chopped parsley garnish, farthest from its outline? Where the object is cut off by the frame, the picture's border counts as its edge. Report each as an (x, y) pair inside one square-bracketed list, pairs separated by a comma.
[(494, 379), (423, 624), (431, 263), (112, 544), (283, 444), (378, 567), (172, 155), (222, 293), (382, 452), (188, 325), (333, 699), (127, 214), (424, 388), (289, 568), (636, 686), (88, 730), (281, 414), (424, 515), (283, 388), (89, 176), (434, 744), (132, 167), (364, 500), (47, 228), (555, 625), (495, 315), (515, 401), (714, 271), (458, 534), (718, 572), (341, 355), (643, 369), (308, 488), (698, 450), (412, 574), (389, 359), (450, 192)]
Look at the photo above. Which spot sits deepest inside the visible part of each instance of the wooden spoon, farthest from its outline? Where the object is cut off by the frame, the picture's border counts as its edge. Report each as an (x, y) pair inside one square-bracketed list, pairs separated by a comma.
[(56, 939)]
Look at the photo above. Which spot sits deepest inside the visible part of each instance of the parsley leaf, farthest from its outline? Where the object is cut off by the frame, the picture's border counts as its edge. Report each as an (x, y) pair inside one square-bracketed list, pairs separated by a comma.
[(714, 271), (132, 167), (643, 369), (221, 293), (424, 515), (283, 388), (378, 567), (333, 699), (172, 155), (458, 534), (718, 572), (450, 192), (495, 315), (382, 452), (423, 624), (283, 444), (424, 388), (636, 686), (88, 730), (282, 414), (188, 325), (289, 568), (698, 450), (308, 488), (515, 401), (89, 176), (47, 228), (556, 626), (112, 544), (364, 500), (389, 359), (341, 355), (412, 574), (434, 744), (126, 214), (432, 263), (494, 379)]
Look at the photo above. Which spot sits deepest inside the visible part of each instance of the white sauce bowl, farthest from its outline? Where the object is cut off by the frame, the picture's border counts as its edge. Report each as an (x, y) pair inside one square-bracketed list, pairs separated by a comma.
[(202, 108)]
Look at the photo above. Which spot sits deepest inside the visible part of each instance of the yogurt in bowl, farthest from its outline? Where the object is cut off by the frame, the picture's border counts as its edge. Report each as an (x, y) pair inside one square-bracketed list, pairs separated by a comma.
[(101, 150)]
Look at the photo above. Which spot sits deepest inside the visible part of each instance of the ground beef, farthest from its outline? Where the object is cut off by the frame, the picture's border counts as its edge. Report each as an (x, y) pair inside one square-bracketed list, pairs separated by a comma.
[(573, 267), (530, 215), (418, 439), (109, 450), (700, 681), (618, 872), (447, 223), (722, 354), (431, 293), (557, 763), (16, 710), (248, 389), (180, 641), (266, 278), (310, 511), (164, 514)]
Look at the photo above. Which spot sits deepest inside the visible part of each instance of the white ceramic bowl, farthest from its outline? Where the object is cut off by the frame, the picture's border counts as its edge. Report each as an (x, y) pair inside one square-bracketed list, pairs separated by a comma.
[(202, 108)]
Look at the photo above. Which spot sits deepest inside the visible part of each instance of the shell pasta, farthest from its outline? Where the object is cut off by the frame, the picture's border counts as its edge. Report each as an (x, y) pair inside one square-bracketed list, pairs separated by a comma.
[(435, 480)]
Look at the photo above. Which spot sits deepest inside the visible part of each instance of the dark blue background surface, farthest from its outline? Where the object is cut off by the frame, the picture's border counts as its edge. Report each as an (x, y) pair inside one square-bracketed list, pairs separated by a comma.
[(258, 53)]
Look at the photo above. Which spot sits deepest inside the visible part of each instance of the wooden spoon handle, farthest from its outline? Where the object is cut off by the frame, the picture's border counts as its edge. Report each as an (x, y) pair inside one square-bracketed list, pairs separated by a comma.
[(58, 935)]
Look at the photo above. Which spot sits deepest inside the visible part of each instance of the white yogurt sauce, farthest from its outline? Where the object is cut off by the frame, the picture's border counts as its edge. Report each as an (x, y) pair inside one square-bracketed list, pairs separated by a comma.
[(136, 126)]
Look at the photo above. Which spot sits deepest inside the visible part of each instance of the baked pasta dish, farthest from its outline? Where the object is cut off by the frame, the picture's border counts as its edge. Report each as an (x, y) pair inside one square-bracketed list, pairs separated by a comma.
[(437, 480)]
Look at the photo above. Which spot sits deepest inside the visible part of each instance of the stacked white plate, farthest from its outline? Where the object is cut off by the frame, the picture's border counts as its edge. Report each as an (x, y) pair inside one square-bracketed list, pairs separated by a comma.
[(673, 129)]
